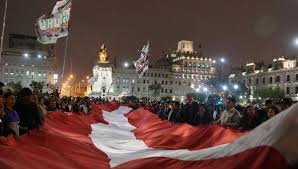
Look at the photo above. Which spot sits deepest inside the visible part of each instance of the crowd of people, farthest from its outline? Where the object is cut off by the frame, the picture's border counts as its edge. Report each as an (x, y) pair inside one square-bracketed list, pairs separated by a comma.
[(22, 112), (233, 115)]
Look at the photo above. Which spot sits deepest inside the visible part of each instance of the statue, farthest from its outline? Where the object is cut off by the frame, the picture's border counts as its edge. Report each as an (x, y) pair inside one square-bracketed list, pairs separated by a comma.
[(103, 56)]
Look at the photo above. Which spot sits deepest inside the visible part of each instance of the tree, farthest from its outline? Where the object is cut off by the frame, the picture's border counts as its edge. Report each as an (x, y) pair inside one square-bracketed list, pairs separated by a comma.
[(214, 100), (16, 87), (200, 97), (37, 87), (155, 88), (274, 93)]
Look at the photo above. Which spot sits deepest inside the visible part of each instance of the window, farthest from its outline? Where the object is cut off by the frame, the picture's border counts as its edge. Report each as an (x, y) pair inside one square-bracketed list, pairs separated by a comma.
[(296, 90), (171, 91), (162, 82), (296, 77), (288, 78), (138, 89), (288, 90), (179, 83), (144, 81), (271, 80), (166, 90), (166, 82), (277, 79), (166, 75), (264, 80), (257, 81)]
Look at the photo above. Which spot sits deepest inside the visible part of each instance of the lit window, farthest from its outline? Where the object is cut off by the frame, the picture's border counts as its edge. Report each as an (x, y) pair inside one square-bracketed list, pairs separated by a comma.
[(27, 73)]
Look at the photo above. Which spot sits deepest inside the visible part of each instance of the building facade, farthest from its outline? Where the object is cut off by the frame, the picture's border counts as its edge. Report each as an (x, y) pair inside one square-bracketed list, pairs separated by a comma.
[(24, 63), (109, 80), (282, 73), (186, 63)]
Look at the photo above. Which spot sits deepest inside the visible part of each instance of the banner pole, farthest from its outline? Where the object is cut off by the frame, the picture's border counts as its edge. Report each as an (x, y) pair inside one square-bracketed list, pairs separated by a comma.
[(3, 32)]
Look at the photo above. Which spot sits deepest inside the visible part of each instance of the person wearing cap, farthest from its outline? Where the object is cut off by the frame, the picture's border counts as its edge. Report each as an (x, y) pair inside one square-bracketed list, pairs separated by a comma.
[(230, 117)]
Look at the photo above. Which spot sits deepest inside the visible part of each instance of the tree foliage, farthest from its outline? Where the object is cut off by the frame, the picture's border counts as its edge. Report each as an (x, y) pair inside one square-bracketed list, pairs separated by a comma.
[(274, 93), (200, 97), (214, 99), (155, 88), (16, 87)]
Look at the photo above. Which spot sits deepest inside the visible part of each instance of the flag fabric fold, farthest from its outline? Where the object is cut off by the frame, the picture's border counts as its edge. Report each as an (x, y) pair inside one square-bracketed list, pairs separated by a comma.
[(121, 138), (49, 28)]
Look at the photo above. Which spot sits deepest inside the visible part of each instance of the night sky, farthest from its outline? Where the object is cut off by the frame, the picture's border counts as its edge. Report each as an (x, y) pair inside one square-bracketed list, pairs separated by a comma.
[(239, 30)]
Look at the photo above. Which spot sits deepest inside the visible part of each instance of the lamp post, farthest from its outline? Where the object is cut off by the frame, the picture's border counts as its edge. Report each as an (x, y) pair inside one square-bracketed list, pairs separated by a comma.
[(222, 61)]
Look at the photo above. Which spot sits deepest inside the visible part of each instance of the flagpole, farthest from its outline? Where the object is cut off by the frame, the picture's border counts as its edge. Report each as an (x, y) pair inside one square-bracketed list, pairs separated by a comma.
[(3, 32), (64, 59)]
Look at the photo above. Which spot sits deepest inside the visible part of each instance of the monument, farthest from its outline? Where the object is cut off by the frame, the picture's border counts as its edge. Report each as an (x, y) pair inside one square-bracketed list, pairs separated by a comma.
[(101, 82)]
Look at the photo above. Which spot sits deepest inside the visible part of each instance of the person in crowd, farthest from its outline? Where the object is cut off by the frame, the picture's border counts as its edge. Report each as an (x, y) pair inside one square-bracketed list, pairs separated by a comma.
[(272, 111), (286, 103), (230, 117), (69, 107), (250, 119), (11, 116), (3, 124), (52, 104), (203, 117), (30, 115), (262, 113), (162, 111), (42, 106), (190, 110), (84, 107), (77, 106), (174, 114)]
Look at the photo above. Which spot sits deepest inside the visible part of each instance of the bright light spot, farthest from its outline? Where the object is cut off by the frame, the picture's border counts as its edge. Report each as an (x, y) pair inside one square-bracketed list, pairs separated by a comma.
[(198, 89), (222, 60), (39, 56), (87, 77), (192, 86), (214, 61), (296, 41), (205, 89), (241, 97), (236, 86), (225, 88), (71, 76), (26, 55), (126, 64)]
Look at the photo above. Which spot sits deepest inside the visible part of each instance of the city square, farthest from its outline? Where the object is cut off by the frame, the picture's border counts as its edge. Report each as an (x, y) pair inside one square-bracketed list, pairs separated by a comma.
[(148, 85)]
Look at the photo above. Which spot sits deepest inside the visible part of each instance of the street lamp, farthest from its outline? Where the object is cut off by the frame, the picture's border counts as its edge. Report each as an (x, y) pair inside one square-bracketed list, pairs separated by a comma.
[(205, 89), (296, 41), (222, 60), (39, 56), (26, 55), (126, 64), (236, 86), (224, 87)]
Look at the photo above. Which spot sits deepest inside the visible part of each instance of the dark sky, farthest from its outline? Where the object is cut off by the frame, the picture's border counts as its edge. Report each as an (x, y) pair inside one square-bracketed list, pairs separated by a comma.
[(237, 29)]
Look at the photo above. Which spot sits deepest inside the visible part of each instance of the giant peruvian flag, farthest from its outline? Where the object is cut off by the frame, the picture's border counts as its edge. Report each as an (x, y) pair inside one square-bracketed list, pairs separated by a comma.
[(116, 137)]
